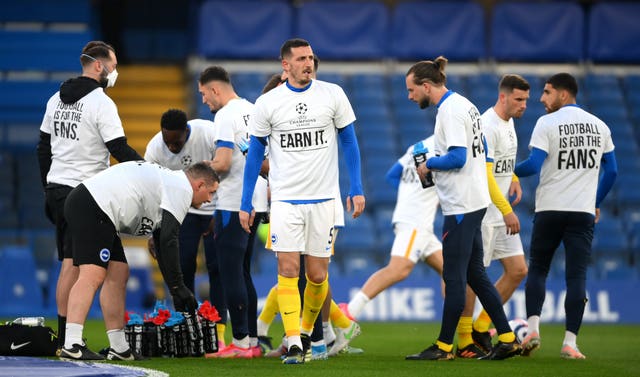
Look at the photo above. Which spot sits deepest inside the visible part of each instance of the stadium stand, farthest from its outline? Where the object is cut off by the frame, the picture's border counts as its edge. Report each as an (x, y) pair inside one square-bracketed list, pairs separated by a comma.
[(39, 43)]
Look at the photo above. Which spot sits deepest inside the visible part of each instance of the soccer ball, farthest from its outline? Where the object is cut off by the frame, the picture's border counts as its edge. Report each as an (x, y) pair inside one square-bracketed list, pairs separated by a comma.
[(520, 327)]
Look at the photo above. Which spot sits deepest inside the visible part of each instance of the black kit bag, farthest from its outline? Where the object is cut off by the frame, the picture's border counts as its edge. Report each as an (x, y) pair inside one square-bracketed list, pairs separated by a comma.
[(21, 340)]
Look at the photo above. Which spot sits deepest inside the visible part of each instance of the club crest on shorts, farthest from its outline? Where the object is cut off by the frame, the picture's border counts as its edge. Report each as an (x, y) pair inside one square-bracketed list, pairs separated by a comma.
[(105, 255), (274, 238)]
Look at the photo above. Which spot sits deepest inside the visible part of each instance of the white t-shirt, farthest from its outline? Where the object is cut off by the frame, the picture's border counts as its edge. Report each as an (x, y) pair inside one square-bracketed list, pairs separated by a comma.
[(134, 193), (502, 147), (575, 141), (415, 205), (302, 128), (200, 146), (231, 126), (458, 124), (79, 132)]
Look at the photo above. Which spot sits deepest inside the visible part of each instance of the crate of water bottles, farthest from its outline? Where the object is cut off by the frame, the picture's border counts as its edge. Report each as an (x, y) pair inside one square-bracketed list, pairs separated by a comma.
[(167, 333)]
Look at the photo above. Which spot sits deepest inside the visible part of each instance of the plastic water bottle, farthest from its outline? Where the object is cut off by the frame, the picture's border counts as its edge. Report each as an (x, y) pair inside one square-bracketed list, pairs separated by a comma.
[(420, 156), (30, 321)]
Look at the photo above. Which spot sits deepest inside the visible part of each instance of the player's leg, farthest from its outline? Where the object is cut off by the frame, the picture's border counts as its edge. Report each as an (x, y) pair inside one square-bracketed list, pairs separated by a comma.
[(406, 250), (231, 246), (55, 199), (548, 230), (216, 287), (577, 240), (252, 313), (93, 236), (189, 238)]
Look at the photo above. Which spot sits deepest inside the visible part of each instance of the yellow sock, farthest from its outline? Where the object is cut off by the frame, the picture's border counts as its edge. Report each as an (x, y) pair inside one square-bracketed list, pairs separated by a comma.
[(220, 327), (289, 303), (483, 322), (444, 346), (271, 307), (337, 316), (507, 337), (464, 332), (314, 295)]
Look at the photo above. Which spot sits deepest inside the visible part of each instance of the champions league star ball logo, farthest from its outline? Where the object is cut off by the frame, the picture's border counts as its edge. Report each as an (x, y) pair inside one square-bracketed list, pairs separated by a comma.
[(301, 108), (186, 160)]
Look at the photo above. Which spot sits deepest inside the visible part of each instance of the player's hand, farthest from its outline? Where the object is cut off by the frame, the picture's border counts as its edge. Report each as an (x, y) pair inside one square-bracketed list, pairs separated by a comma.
[(358, 205), (512, 223), (597, 216), (422, 170), (246, 220), (209, 230), (152, 247), (183, 299), (515, 190)]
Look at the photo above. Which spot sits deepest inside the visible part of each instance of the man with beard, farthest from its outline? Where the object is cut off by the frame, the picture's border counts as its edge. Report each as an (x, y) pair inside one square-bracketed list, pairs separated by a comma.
[(79, 131)]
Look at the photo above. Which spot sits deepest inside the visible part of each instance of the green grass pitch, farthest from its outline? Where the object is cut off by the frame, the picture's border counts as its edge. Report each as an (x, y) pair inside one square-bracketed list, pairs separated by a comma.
[(611, 350)]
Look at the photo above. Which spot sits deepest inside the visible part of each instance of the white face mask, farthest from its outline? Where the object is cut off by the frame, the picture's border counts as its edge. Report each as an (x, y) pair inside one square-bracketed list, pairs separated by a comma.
[(111, 78)]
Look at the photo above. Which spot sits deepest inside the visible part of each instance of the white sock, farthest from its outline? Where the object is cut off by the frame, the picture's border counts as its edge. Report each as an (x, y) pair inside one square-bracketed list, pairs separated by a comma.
[(327, 332), (73, 335), (263, 328), (570, 339), (253, 342), (357, 304), (294, 340), (534, 324), (117, 340), (242, 343)]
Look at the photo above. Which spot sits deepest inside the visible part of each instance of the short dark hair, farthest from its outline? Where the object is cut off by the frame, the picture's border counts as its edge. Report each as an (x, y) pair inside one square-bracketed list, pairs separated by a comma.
[(174, 120), (273, 82), (564, 81), (202, 169), (510, 81), (214, 73), (431, 71), (95, 50), (285, 50)]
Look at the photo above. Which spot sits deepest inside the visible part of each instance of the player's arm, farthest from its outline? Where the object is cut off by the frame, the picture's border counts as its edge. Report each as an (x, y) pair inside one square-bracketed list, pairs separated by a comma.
[(122, 151), (455, 158), (610, 172), (532, 164), (515, 190), (168, 255), (44, 156), (222, 160), (510, 219), (349, 143), (252, 167), (394, 174)]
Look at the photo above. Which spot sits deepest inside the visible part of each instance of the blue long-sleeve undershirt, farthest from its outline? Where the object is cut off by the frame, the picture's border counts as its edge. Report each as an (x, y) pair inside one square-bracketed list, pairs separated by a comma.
[(609, 166), (251, 170), (455, 158), (349, 142), (532, 164), (394, 174)]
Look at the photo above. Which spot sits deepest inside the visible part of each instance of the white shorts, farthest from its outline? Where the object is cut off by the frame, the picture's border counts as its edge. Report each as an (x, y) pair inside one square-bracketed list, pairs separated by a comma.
[(497, 244), (414, 244), (304, 228)]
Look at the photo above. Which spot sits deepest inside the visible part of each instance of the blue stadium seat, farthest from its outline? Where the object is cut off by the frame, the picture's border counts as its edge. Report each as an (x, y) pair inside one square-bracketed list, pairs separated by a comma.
[(455, 30), (20, 293), (38, 50), (228, 30), (613, 32), (615, 267), (63, 11), (516, 31), (343, 30), (358, 235)]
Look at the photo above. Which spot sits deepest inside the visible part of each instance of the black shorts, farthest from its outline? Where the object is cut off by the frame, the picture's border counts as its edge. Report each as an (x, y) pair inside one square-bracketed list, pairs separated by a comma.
[(56, 195), (94, 237)]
